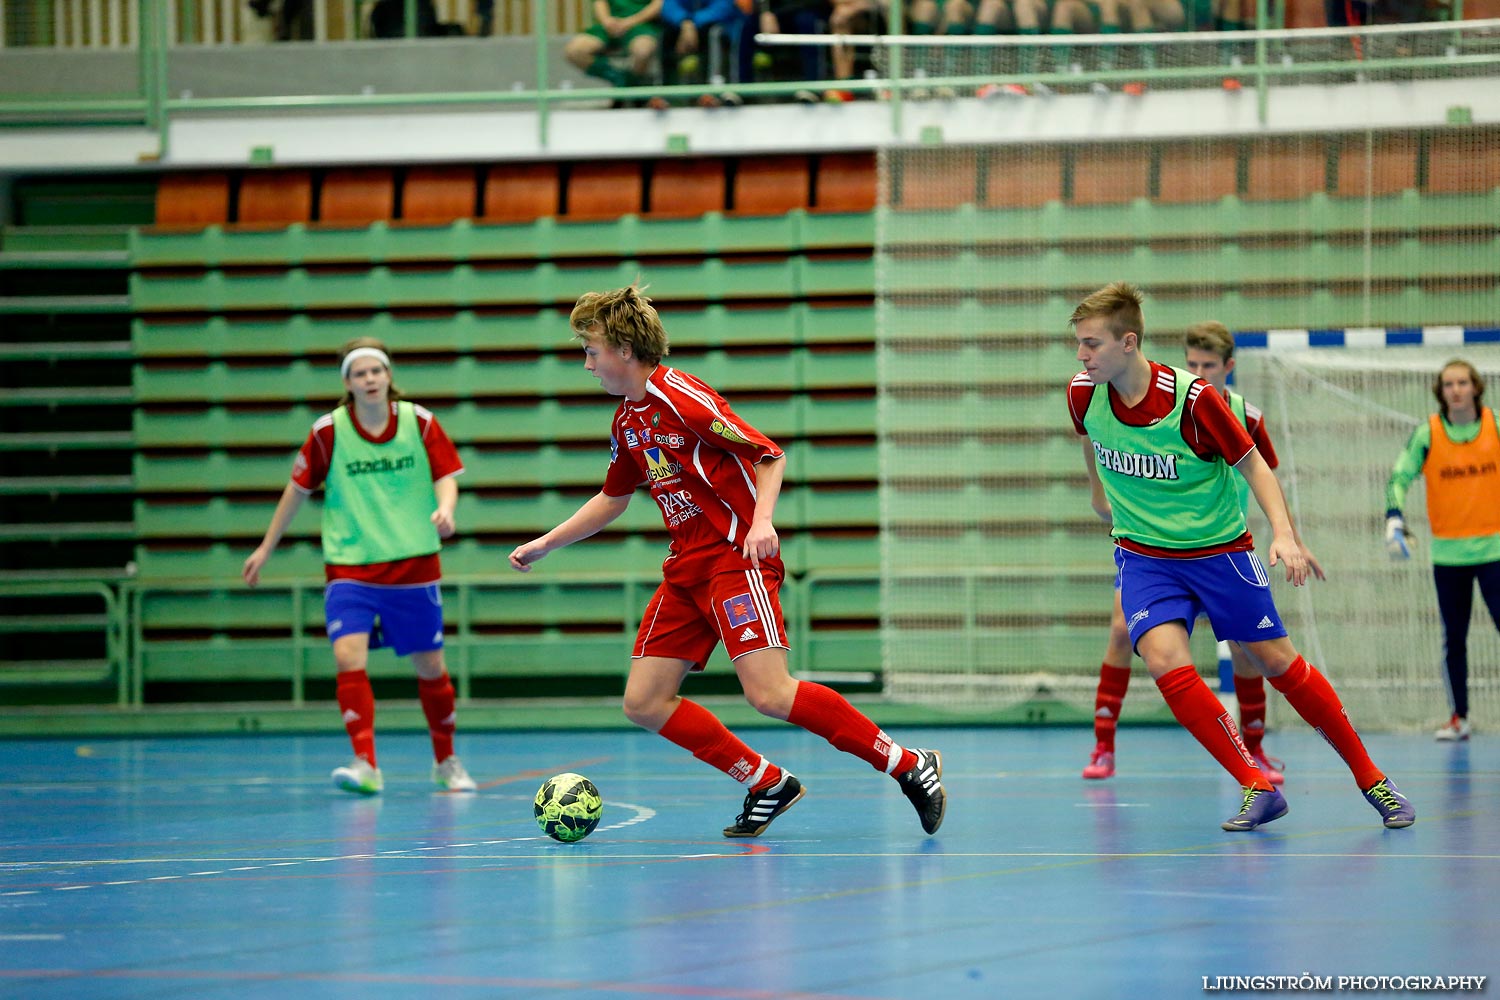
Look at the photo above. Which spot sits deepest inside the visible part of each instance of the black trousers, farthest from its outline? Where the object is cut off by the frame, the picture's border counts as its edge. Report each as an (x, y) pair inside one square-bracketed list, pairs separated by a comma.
[(1455, 594)]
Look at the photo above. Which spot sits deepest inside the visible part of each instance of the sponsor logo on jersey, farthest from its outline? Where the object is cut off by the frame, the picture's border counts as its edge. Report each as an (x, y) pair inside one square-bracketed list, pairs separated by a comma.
[(672, 440), (659, 466), (1463, 471), (727, 432), (656, 419), (676, 506), (631, 441), (740, 610), (646, 435), (380, 465), (614, 448), (1136, 466)]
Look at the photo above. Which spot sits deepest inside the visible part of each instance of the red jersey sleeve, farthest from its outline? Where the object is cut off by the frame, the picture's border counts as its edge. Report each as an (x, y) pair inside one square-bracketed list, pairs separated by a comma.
[(310, 468), (624, 474), (1258, 433), (1080, 392), (442, 456), (709, 415), (1210, 427)]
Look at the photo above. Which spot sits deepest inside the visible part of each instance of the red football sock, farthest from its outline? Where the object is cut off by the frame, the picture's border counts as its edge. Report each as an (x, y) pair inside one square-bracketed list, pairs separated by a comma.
[(437, 705), (696, 729), (357, 704), (1113, 682), (1251, 692), (1200, 713), (1309, 692), (827, 713)]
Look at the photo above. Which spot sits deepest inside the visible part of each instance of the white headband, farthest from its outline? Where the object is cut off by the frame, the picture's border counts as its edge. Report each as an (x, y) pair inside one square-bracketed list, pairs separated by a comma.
[(363, 352)]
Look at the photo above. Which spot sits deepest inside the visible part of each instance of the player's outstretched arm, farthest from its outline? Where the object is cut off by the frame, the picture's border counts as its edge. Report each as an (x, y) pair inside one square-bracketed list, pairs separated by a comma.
[(1284, 547), (1097, 499), (596, 513), (286, 509)]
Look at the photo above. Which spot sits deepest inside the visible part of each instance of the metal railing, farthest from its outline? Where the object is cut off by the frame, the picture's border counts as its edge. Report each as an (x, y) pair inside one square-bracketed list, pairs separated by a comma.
[(115, 24), (122, 626), (80, 617), (1265, 58)]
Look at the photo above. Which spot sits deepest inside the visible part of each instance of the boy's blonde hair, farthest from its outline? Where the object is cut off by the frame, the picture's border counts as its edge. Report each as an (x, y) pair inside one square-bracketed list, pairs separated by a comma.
[(355, 345), (622, 318), (1211, 336), (1119, 304)]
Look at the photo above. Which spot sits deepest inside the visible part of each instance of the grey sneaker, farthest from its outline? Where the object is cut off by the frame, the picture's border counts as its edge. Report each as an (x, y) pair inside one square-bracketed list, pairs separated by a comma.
[(359, 776), (450, 775), (1394, 809), (1260, 806)]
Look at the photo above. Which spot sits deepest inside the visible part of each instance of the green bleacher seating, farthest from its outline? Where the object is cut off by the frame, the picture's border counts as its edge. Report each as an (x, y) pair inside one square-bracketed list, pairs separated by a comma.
[(544, 421), (466, 377), (464, 240), (542, 284), (466, 332), (235, 332)]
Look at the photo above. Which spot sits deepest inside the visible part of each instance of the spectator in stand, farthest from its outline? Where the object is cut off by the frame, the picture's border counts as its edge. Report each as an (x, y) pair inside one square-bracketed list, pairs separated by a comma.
[(687, 25), (628, 26), (850, 17), (1011, 17), (940, 17), (796, 17)]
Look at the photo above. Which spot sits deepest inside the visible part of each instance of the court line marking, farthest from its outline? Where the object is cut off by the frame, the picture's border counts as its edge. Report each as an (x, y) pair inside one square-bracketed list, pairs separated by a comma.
[(640, 814)]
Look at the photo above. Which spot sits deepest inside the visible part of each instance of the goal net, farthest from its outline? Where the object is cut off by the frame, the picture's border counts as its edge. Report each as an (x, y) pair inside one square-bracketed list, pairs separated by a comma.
[(1339, 417), (997, 580)]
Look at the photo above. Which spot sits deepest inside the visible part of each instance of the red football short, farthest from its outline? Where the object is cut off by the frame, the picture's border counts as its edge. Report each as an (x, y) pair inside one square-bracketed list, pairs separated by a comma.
[(741, 609)]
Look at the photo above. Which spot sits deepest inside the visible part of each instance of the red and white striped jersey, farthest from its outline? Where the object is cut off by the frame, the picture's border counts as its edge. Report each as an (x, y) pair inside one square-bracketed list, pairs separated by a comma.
[(697, 459)]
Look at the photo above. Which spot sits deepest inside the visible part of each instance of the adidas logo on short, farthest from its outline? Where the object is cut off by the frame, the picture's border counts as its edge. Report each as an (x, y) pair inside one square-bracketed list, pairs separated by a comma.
[(1265, 622), (350, 715), (748, 634)]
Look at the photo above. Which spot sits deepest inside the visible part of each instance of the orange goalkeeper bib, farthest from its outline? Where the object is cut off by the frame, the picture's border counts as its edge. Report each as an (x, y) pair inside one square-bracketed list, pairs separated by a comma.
[(1463, 481)]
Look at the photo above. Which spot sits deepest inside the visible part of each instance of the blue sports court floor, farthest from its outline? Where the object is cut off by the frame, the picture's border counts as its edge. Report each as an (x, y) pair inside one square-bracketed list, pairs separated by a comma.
[(230, 867)]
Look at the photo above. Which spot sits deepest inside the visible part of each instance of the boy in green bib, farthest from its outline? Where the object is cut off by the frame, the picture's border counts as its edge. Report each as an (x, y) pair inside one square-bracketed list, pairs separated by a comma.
[(1208, 351), (1162, 451)]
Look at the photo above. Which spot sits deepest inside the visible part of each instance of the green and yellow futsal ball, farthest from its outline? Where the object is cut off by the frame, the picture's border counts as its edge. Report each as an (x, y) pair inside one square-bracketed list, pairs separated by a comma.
[(567, 807)]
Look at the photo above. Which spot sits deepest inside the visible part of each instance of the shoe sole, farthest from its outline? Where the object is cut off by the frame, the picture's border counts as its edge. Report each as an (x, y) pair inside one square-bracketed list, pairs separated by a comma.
[(1098, 777), (732, 833), (350, 785)]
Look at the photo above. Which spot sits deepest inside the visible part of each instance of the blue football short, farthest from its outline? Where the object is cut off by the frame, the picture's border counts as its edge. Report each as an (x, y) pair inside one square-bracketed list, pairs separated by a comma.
[(1232, 589), (407, 619)]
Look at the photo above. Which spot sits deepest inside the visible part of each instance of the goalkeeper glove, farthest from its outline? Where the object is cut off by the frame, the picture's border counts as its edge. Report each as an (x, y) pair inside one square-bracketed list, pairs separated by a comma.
[(1395, 538)]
